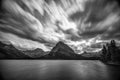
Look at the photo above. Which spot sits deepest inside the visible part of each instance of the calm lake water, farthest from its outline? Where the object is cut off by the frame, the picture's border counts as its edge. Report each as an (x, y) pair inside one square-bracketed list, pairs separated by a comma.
[(58, 70)]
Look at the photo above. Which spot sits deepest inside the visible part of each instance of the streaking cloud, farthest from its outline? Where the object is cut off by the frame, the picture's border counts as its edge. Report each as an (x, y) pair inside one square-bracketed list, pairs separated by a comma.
[(79, 23)]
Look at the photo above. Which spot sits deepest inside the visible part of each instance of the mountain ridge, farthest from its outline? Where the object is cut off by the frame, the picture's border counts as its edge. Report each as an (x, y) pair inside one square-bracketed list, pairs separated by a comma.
[(59, 51), (10, 52)]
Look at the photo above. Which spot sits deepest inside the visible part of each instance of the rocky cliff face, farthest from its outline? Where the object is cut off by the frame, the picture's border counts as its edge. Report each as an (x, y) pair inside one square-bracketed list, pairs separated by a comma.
[(10, 52), (62, 51), (36, 53)]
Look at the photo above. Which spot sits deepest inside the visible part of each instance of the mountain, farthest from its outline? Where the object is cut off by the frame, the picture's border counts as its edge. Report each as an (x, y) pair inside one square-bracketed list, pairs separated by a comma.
[(59, 51), (91, 55), (10, 52), (62, 51), (36, 53)]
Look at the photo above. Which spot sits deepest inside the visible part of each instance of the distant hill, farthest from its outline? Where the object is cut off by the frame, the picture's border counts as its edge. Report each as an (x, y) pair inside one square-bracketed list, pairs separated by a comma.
[(91, 55), (36, 53), (10, 52)]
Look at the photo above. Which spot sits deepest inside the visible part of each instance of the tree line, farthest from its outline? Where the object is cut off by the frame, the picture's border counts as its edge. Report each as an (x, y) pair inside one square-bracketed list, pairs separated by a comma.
[(110, 52)]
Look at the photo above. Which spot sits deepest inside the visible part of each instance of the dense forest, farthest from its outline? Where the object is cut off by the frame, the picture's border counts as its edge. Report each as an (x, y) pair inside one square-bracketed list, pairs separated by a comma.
[(111, 52)]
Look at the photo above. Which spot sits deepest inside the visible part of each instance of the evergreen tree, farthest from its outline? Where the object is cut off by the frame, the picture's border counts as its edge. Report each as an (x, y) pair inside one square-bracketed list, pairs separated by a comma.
[(104, 51), (108, 54), (113, 50), (113, 43)]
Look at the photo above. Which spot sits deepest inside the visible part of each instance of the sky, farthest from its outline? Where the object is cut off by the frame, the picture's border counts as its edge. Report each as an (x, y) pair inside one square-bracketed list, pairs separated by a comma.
[(85, 25)]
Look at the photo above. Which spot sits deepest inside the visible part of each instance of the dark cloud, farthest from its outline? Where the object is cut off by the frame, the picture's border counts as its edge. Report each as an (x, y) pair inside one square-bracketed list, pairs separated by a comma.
[(96, 45), (96, 9), (77, 15), (99, 11), (114, 33), (91, 34)]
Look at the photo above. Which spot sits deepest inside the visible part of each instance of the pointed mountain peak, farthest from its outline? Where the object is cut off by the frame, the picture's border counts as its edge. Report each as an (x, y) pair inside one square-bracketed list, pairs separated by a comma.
[(38, 49), (60, 43), (62, 49)]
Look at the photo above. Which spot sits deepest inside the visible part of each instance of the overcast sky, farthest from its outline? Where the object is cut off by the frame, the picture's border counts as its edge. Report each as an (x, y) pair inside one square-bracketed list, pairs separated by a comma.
[(82, 24)]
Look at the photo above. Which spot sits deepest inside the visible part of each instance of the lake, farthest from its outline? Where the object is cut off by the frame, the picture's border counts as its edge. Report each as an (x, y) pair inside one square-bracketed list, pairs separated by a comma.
[(58, 70)]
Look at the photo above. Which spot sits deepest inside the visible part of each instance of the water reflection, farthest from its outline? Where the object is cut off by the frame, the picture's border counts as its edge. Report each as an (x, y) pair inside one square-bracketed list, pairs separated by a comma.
[(57, 70)]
